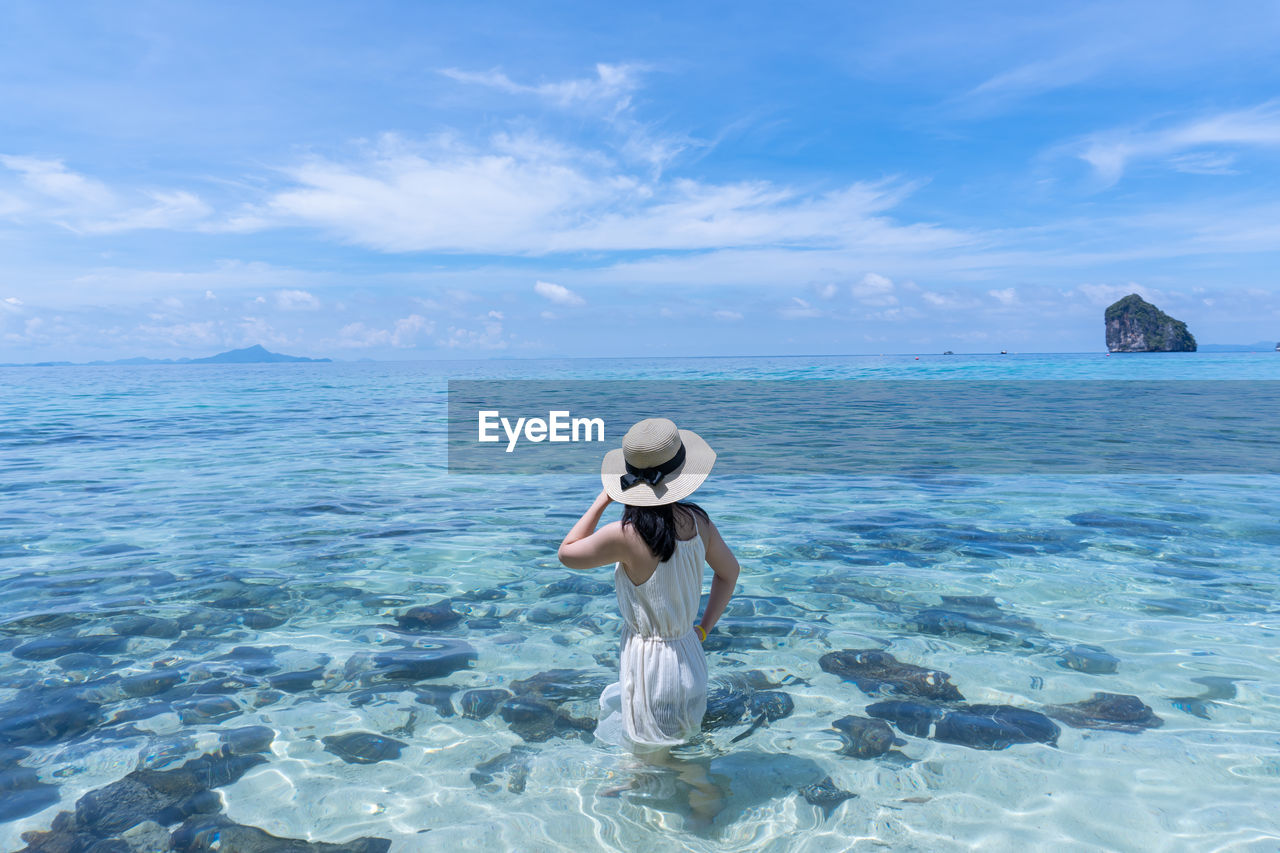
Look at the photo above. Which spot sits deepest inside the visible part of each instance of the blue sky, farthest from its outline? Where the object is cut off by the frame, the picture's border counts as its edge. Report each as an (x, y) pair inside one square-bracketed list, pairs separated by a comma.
[(413, 180)]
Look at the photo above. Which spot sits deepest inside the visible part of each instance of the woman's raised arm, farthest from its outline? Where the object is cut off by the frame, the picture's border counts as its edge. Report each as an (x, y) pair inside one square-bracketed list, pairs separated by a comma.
[(584, 547)]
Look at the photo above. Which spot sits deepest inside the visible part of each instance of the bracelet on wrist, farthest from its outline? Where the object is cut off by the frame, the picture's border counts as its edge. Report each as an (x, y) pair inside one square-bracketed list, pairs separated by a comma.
[(702, 632)]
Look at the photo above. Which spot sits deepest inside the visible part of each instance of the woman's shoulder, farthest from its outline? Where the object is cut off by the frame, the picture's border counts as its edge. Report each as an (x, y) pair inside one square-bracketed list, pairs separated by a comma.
[(692, 521)]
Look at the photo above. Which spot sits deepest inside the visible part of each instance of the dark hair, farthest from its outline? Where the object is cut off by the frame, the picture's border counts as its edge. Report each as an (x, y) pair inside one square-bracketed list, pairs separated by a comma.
[(657, 525)]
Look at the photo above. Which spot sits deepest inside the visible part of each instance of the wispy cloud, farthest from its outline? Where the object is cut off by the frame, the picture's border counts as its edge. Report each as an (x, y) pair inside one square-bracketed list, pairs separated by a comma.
[(612, 85), (1005, 296), (296, 300), (47, 190), (527, 196), (403, 333), (800, 309), (1111, 152), (558, 293), (875, 290)]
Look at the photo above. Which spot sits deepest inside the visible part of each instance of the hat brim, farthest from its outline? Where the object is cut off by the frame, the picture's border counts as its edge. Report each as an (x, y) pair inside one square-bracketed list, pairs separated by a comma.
[(679, 484)]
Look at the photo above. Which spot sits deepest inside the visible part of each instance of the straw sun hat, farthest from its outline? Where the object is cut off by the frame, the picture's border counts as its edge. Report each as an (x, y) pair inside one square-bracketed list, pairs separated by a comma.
[(657, 464)]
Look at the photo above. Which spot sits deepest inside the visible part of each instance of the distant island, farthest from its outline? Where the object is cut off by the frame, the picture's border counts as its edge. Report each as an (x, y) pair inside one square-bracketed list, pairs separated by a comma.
[(1135, 325), (1260, 346), (256, 354)]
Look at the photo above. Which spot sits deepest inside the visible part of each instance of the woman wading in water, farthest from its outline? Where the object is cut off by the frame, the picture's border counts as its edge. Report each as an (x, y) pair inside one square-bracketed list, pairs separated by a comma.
[(659, 549)]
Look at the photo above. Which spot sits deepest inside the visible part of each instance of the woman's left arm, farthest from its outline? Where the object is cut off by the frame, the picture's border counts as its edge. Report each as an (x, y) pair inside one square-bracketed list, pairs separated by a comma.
[(587, 548)]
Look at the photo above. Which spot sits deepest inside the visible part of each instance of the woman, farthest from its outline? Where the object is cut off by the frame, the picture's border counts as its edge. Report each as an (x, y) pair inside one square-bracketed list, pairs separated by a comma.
[(659, 549)]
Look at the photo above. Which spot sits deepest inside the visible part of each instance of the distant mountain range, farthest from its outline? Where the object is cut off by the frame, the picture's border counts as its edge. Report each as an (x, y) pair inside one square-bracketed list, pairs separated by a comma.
[(255, 354), (1260, 346)]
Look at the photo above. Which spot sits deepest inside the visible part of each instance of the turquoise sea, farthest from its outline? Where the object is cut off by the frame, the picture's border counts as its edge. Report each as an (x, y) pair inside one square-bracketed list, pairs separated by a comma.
[(240, 600)]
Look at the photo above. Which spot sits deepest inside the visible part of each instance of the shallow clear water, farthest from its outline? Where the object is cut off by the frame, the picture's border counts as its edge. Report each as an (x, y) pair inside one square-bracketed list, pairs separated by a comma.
[(278, 519)]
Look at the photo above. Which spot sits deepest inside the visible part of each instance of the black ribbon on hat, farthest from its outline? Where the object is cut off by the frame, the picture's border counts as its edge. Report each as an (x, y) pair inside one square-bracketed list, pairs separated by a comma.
[(653, 476)]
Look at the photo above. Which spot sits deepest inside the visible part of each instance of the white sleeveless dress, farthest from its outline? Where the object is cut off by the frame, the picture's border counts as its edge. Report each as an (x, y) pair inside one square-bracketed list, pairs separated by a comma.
[(661, 693)]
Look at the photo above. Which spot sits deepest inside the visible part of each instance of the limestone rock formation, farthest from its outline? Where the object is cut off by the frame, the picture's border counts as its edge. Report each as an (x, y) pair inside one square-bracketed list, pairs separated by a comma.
[(1135, 325)]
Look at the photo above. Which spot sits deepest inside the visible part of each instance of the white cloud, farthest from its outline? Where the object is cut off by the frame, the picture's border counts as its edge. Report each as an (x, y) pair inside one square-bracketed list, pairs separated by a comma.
[(1204, 163), (875, 290), (612, 84), (1105, 294), (953, 301), (179, 334), (406, 331), (726, 315), (488, 336), (256, 330), (1111, 152), (296, 300), (1005, 296), (167, 210), (398, 199), (522, 196), (360, 336), (558, 294), (51, 179), (48, 191)]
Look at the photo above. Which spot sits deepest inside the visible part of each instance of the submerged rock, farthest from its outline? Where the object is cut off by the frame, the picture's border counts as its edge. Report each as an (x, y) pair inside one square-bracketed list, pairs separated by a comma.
[(864, 737), (247, 740), (49, 648), (514, 762), (296, 682), (33, 723), (490, 594), (163, 796), (220, 833), (563, 685), (479, 704), (430, 617), (426, 659), (725, 707), (1216, 687), (975, 726), (147, 626), (1117, 712), (826, 796), (22, 793), (129, 815), (1090, 659), (766, 706), (151, 683), (213, 709), (756, 679), (363, 747), (577, 585), (537, 720), (875, 671), (557, 610), (438, 696), (718, 641), (974, 616), (772, 704), (532, 718)]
